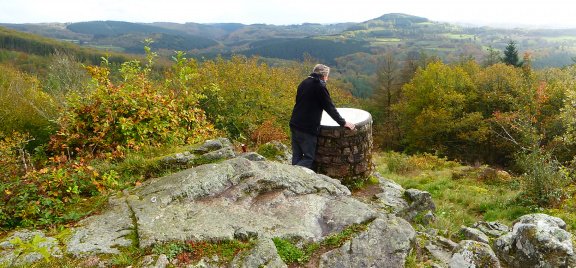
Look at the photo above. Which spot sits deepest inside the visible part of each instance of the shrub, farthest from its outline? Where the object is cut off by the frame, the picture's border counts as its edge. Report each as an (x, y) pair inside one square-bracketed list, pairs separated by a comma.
[(42, 196), (268, 131), (131, 115), (403, 164), (13, 157), (24, 107), (543, 179)]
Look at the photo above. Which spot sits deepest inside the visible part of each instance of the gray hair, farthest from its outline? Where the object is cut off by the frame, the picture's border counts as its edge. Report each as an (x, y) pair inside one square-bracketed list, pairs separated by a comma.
[(322, 70)]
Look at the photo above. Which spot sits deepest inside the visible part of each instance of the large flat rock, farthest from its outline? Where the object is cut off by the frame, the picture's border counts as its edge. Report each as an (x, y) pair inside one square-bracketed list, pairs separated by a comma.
[(233, 199)]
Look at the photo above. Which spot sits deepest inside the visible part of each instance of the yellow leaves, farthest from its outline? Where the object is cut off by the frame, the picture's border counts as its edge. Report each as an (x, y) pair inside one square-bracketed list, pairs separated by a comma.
[(137, 112)]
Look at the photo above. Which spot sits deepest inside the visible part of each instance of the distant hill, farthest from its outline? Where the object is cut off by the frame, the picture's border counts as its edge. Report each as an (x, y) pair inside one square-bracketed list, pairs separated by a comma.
[(209, 39), (11, 40), (354, 49), (130, 36), (294, 49), (395, 30)]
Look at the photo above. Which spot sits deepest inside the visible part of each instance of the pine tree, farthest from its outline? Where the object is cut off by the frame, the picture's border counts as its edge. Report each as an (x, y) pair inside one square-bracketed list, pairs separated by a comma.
[(511, 55)]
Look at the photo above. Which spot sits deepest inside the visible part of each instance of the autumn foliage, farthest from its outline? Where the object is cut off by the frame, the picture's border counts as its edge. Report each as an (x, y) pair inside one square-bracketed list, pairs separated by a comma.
[(128, 115)]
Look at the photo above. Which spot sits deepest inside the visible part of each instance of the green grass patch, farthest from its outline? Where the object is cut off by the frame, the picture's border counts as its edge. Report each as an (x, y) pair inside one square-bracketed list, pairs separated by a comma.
[(560, 38), (292, 253), (458, 36), (463, 195)]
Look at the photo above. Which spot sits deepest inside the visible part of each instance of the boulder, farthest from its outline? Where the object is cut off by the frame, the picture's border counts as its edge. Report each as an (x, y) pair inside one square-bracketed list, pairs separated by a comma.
[(264, 254), (213, 145), (474, 234), (276, 151), (537, 240), (24, 247), (179, 159), (391, 199), (253, 156), (412, 204), (420, 203), (436, 248), (217, 155), (473, 254), (208, 152), (386, 243), (492, 229)]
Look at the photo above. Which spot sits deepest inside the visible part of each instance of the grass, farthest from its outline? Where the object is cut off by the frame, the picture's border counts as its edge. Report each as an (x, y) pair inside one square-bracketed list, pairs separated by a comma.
[(464, 195), (293, 254), (458, 36)]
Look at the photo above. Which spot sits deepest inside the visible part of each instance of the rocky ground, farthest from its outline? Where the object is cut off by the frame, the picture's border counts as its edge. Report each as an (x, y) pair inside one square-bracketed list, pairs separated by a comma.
[(248, 198)]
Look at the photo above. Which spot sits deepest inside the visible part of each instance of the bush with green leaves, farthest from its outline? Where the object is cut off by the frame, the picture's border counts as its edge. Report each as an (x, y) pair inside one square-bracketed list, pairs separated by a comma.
[(241, 94), (24, 107), (13, 157), (543, 178), (132, 114), (44, 197)]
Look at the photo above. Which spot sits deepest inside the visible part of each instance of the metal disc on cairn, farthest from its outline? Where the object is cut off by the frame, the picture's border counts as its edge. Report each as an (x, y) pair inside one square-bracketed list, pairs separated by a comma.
[(342, 153)]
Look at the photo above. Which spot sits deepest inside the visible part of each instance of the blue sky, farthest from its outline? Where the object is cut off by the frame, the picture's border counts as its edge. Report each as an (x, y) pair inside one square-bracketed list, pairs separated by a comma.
[(549, 13)]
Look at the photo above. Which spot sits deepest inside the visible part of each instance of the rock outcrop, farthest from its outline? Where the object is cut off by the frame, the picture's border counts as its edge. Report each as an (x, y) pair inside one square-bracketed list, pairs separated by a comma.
[(105, 232), (436, 248), (209, 151), (243, 199), (246, 197), (412, 204), (473, 254), (264, 254), (24, 247), (537, 240), (491, 229), (386, 243), (217, 201), (474, 234)]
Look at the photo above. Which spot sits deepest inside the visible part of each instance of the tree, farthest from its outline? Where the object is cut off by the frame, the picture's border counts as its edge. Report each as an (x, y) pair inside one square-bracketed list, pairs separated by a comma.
[(65, 77), (492, 57), (511, 55), (434, 112), (387, 84), (386, 93)]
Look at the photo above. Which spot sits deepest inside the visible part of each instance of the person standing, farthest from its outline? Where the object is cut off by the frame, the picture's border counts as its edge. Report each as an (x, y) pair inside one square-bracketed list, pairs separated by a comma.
[(312, 98)]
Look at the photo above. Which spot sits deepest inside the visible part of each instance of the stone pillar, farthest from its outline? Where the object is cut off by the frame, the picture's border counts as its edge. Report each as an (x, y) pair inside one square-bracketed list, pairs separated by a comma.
[(342, 153)]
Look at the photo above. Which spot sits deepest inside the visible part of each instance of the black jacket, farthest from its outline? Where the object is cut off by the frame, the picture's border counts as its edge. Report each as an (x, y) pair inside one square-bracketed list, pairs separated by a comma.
[(311, 98)]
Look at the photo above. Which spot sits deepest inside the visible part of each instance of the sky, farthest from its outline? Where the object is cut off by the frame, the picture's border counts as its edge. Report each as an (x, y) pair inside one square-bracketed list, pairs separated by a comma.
[(543, 13)]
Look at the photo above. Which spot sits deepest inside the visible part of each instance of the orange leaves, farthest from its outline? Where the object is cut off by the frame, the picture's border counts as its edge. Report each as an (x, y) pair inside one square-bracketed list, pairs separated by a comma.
[(42, 195), (137, 112), (268, 131)]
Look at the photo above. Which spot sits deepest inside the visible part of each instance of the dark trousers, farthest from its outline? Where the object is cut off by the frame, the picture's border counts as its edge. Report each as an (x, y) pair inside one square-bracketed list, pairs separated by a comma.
[(303, 148)]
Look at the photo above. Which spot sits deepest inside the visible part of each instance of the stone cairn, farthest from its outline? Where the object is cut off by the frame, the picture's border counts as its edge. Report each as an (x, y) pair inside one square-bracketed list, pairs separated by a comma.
[(346, 154)]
